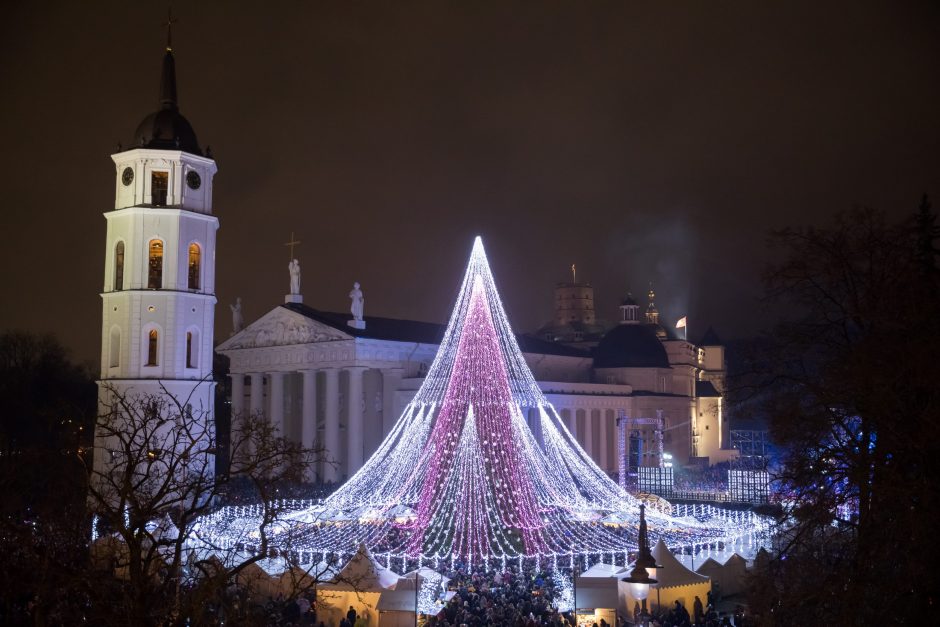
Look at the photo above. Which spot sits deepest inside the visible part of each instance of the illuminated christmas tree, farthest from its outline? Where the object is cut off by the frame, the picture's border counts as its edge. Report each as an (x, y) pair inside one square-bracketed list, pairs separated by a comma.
[(462, 475)]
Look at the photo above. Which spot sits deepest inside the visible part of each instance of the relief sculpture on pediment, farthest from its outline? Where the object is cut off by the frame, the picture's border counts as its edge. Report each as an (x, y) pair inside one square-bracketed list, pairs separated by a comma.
[(284, 332)]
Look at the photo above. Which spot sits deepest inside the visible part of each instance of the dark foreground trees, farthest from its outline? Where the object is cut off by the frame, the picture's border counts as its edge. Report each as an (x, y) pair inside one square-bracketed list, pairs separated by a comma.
[(121, 545), (851, 384), (47, 411)]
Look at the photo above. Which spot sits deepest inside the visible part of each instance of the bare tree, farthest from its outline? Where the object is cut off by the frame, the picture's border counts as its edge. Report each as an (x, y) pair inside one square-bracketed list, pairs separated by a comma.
[(157, 479)]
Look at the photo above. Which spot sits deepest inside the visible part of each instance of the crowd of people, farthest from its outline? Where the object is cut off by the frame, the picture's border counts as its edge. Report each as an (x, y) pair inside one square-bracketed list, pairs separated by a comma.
[(702, 479), (510, 597), (702, 615)]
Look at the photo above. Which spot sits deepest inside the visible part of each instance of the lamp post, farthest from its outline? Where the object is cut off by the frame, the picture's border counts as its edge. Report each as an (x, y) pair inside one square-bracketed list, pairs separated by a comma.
[(639, 579), (574, 580)]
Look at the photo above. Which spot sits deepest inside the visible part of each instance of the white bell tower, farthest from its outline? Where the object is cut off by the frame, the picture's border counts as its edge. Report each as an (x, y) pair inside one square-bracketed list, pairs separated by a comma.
[(158, 297)]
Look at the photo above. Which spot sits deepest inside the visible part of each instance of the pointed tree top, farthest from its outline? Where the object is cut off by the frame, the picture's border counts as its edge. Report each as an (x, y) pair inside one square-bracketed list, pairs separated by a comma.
[(478, 278)]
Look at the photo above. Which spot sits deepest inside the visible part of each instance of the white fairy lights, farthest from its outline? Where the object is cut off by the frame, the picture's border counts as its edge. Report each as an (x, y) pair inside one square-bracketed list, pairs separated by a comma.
[(462, 476)]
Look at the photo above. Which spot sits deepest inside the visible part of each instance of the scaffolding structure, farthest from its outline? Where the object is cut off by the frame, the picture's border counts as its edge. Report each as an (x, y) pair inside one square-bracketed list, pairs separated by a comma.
[(748, 479), (753, 448), (629, 429)]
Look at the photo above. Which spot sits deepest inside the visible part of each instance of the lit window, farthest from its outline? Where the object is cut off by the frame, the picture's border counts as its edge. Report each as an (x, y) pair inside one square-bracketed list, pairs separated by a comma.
[(155, 266), (152, 339), (194, 256)]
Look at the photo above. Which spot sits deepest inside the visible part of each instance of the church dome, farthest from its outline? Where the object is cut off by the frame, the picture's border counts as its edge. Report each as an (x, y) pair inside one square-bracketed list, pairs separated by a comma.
[(631, 346), (629, 301), (166, 128)]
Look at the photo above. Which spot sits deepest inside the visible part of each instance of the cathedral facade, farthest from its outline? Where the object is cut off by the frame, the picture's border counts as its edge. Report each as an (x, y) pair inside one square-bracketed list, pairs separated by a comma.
[(328, 378)]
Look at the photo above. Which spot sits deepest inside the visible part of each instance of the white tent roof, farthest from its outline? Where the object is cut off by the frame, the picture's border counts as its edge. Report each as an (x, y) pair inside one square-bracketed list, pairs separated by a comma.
[(363, 574), (708, 566), (673, 572), (319, 572), (603, 570), (313, 515), (260, 582), (397, 601), (401, 511), (163, 528), (402, 598), (324, 572), (618, 518), (602, 594), (597, 586), (426, 573)]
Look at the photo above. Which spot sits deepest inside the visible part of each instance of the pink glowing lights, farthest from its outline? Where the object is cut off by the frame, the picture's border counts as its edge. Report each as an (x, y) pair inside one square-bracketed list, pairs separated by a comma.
[(476, 468)]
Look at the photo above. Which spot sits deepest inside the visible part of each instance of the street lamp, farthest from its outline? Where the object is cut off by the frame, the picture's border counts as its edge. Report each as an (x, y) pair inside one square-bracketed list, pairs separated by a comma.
[(639, 579)]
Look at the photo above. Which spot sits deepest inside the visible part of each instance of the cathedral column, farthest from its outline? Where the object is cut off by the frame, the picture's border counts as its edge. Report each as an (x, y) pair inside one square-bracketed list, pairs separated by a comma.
[(589, 432), (331, 428), (238, 395), (605, 439), (276, 380), (257, 393), (308, 425), (391, 380), (354, 421), (571, 421)]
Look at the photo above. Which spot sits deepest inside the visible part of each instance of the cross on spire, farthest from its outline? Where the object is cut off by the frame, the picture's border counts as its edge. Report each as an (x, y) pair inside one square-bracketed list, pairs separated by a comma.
[(292, 243), (170, 21)]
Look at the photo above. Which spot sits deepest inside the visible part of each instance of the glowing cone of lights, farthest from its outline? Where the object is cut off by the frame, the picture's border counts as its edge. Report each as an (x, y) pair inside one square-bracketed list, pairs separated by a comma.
[(462, 475)]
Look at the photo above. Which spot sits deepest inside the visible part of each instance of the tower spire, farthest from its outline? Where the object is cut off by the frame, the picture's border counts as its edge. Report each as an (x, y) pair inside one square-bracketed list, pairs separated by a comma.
[(168, 76), (170, 21), (652, 314)]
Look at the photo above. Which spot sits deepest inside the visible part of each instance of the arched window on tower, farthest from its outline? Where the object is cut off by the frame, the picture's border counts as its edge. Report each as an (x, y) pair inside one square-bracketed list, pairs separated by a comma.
[(195, 254), (153, 340), (155, 265), (192, 349), (115, 359), (119, 266)]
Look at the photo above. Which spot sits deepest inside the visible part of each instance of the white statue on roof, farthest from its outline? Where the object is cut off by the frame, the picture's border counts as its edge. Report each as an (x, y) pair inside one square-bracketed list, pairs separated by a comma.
[(358, 302), (294, 268), (238, 320)]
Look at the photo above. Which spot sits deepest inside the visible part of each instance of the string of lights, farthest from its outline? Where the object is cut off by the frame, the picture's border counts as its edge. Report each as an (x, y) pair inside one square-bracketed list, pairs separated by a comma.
[(461, 474)]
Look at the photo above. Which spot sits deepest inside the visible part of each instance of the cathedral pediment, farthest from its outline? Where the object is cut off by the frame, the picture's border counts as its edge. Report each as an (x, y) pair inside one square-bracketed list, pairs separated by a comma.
[(282, 327)]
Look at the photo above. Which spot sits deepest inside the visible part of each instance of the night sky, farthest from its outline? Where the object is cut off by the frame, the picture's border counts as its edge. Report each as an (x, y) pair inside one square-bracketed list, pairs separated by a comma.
[(640, 142)]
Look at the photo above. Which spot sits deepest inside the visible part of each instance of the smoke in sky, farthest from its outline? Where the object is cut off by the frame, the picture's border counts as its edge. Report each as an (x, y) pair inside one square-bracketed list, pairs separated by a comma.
[(655, 247)]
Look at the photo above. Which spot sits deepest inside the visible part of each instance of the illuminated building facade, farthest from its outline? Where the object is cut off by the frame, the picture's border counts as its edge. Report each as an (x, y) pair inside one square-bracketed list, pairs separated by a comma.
[(158, 296), (322, 380)]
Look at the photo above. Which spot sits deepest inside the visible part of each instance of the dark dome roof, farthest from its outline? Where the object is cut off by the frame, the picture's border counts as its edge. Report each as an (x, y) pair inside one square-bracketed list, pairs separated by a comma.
[(631, 346), (166, 128), (628, 301)]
